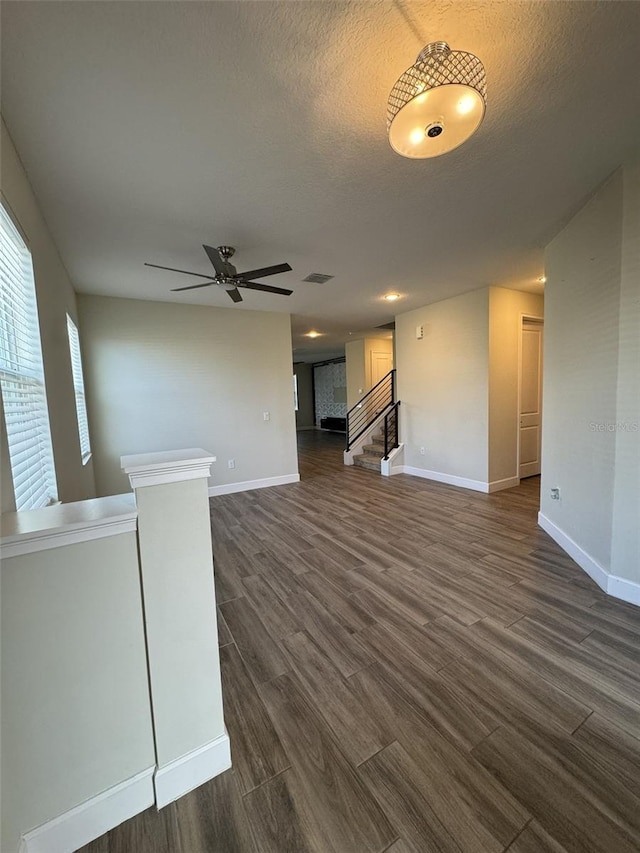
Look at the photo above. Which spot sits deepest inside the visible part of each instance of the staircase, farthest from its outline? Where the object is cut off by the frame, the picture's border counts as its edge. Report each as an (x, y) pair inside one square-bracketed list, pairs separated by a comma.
[(373, 454), (378, 409)]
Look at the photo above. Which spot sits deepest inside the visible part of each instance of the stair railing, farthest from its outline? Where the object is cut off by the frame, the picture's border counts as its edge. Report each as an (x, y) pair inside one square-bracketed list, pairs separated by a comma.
[(391, 430), (380, 398)]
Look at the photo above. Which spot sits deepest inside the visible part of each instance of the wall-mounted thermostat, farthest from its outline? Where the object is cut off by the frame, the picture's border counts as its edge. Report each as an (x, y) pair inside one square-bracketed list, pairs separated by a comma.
[(419, 333)]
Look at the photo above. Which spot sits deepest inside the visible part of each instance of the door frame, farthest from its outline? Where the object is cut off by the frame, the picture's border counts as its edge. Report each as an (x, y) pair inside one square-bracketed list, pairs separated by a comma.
[(535, 318)]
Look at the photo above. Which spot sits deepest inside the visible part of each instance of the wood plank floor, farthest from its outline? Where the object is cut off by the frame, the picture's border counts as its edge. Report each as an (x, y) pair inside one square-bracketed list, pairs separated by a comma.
[(409, 667)]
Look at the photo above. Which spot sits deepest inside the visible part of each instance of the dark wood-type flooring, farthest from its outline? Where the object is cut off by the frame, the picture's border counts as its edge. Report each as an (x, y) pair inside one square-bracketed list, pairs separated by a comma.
[(409, 667)]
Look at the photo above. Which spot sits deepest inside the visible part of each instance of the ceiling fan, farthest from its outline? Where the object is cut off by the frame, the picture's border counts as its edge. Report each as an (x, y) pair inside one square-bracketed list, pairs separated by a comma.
[(228, 277)]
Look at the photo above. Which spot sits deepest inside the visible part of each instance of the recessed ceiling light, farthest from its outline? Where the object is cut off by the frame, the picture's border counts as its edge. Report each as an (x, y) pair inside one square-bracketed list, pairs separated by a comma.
[(391, 297), (312, 334)]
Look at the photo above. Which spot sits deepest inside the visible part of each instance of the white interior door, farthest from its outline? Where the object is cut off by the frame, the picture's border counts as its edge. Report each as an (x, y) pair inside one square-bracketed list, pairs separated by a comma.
[(531, 398), (381, 364)]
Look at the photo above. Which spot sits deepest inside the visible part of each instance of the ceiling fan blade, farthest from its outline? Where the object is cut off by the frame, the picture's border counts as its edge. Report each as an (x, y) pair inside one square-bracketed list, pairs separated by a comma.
[(216, 259), (235, 294), (265, 271), (193, 286), (172, 269), (251, 285)]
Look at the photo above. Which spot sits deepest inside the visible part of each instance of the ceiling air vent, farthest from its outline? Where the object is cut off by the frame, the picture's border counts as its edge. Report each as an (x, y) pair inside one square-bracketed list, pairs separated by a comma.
[(318, 278)]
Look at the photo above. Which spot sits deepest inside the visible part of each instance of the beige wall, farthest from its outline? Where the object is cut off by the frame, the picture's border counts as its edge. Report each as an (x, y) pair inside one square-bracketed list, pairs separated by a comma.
[(174, 530), (56, 299), (625, 550), (304, 415), (506, 309), (358, 362), (443, 384), (76, 716), (371, 345), (164, 376), (356, 372), (591, 385)]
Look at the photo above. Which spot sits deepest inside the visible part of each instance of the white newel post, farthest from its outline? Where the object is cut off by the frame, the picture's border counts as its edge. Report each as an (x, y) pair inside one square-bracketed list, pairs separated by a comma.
[(178, 592)]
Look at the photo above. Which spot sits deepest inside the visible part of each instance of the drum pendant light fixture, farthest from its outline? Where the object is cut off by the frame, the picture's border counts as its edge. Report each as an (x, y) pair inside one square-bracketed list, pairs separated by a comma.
[(438, 103)]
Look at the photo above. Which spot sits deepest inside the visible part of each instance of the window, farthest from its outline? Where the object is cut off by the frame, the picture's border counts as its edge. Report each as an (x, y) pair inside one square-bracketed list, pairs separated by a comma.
[(22, 375), (78, 386), (295, 392)]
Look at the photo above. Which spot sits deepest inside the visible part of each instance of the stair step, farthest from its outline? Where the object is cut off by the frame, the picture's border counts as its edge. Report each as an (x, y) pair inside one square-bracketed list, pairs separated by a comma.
[(374, 450), (371, 463), (377, 439)]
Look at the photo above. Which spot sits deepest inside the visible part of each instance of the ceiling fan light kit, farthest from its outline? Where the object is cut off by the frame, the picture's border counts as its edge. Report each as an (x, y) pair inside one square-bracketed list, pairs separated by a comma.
[(438, 103), (227, 277)]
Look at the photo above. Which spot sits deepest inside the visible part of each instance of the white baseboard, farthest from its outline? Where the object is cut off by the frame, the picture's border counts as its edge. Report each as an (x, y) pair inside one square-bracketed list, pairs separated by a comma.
[(507, 483), (617, 587), (450, 479), (91, 819), (247, 485), (461, 482), (191, 770), (595, 571), (624, 589)]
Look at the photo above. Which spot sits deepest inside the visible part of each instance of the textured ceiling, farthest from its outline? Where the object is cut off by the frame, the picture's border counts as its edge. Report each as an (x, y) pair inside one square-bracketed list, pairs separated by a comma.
[(149, 128)]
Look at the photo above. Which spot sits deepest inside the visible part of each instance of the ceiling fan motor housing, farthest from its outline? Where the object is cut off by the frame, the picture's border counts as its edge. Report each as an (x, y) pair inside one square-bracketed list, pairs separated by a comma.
[(227, 277)]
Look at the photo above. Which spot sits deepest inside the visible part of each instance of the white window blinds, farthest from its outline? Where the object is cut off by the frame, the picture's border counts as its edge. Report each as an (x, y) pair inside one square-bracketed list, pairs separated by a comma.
[(78, 385), (22, 375)]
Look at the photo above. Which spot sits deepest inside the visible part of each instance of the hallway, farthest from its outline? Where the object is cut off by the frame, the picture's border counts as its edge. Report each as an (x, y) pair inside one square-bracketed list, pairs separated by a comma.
[(409, 667), (319, 453)]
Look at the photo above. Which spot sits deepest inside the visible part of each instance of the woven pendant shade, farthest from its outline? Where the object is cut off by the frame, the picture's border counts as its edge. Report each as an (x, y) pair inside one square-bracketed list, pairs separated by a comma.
[(438, 103)]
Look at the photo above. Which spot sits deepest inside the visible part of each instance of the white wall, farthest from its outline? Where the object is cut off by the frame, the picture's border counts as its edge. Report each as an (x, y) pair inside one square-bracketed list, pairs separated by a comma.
[(443, 385), (591, 379), (56, 299), (506, 308), (76, 716), (163, 376)]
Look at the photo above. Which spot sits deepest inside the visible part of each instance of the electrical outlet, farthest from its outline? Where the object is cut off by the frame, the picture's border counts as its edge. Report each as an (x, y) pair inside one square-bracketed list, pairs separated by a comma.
[(422, 451), (555, 494), (231, 463), (266, 416)]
